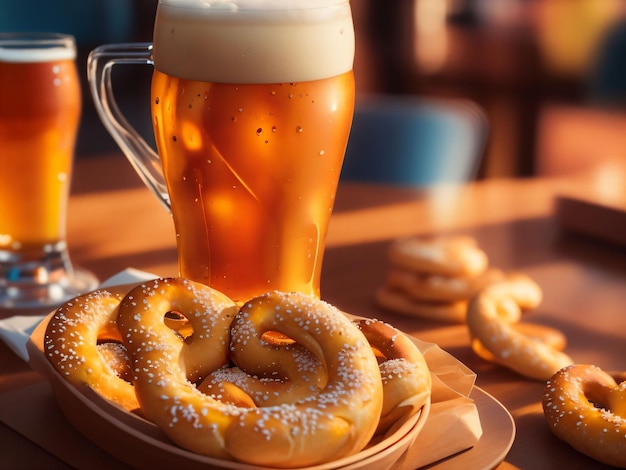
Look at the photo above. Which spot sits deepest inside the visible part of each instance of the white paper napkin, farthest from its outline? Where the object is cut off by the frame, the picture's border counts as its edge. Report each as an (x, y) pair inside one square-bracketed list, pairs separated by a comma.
[(16, 330)]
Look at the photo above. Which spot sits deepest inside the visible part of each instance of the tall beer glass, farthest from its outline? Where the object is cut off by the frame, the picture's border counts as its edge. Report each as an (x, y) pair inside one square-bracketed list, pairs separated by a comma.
[(40, 105), (252, 104)]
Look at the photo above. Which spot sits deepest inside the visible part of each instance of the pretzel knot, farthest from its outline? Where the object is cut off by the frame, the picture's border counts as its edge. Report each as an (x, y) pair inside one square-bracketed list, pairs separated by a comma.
[(82, 341), (531, 350), (335, 421), (407, 383), (585, 407)]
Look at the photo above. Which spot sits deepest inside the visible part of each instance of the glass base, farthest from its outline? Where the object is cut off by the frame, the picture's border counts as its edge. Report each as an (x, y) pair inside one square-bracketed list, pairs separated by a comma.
[(41, 280)]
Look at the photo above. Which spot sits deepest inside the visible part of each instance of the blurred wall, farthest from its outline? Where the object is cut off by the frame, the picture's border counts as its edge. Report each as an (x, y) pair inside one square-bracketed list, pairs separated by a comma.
[(513, 57)]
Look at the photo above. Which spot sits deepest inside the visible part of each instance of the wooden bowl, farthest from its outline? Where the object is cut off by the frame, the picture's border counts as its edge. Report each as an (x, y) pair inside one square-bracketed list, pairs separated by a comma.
[(141, 444)]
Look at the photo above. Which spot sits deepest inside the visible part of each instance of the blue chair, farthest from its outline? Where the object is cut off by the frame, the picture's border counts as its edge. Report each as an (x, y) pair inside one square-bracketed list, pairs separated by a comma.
[(414, 141)]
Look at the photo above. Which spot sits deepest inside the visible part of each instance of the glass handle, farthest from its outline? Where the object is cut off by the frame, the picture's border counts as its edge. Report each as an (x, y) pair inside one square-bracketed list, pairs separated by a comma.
[(141, 156)]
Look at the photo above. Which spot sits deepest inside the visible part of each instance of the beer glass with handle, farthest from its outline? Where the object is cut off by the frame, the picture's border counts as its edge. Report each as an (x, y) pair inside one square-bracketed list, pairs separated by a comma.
[(40, 105), (252, 103)]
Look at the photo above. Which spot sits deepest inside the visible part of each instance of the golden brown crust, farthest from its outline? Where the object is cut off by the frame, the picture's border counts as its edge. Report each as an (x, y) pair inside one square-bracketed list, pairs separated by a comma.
[(406, 378), (434, 277), (116, 358), (267, 375), (447, 256), (425, 287), (491, 316), (71, 340), (338, 421), (398, 302), (586, 408)]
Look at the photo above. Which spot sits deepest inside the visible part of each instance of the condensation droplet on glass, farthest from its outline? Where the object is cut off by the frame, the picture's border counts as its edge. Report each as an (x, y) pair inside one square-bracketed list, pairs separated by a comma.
[(156, 101), (62, 176), (174, 138), (274, 129), (299, 129), (56, 82), (259, 131), (209, 161), (234, 119), (322, 153), (290, 95), (56, 69), (341, 31), (240, 110)]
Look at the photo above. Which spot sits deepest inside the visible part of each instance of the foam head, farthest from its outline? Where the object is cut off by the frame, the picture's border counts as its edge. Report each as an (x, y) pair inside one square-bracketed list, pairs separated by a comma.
[(254, 41), (25, 48)]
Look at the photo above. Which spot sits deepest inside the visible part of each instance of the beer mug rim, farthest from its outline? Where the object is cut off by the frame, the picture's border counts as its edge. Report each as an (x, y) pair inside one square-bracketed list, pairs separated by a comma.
[(255, 5), (36, 46)]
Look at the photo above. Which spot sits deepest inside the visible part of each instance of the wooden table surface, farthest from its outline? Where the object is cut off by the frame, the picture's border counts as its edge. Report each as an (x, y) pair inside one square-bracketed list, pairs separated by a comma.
[(114, 223)]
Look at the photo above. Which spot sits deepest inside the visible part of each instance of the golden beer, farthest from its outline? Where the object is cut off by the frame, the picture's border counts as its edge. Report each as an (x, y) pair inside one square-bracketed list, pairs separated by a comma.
[(252, 171), (40, 106), (251, 124)]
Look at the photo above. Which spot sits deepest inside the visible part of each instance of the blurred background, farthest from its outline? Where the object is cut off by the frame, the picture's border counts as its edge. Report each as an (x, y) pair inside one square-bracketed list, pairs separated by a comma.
[(549, 74)]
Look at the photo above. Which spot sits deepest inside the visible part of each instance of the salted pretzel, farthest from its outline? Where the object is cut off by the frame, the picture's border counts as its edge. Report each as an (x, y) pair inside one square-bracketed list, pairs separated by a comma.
[(585, 407), (491, 316), (267, 372), (406, 378), (427, 287), (398, 302), (550, 337), (116, 358), (71, 343), (290, 373), (208, 312), (434, 277), (338, 421), (448, 256)]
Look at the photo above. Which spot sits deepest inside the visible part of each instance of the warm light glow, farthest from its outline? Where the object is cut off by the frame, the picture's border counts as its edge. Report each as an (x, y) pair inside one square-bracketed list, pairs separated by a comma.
[(5, 239), (610, 182), (191, 135), (431, 39), (430, 16)]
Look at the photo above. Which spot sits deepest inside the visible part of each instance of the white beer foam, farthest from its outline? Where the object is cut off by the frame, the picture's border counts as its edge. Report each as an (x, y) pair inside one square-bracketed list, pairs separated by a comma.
[(254, 41), (10, 52)]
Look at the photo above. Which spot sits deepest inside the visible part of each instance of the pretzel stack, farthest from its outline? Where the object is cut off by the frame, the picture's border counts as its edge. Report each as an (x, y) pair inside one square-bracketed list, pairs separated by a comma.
[(434, 278)]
